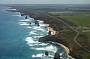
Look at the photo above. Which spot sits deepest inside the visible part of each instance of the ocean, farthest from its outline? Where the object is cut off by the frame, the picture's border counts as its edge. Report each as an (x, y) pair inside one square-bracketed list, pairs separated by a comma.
[(19, 38)]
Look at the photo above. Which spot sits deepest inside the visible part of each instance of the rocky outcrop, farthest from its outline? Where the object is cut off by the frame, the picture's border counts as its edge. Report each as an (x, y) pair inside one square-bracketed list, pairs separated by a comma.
[(49, 38), (56, 56)]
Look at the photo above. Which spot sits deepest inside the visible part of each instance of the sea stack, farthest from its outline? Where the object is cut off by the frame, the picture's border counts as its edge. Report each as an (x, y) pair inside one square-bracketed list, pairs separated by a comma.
[(26, 17), (56, 56)]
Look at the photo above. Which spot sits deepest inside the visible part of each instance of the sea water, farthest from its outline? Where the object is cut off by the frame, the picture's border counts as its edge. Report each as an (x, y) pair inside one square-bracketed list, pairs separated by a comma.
[(19, 38)]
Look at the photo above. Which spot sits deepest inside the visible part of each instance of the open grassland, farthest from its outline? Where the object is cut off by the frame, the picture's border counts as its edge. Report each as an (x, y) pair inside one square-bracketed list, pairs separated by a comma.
[(82, 20), (77, 18)]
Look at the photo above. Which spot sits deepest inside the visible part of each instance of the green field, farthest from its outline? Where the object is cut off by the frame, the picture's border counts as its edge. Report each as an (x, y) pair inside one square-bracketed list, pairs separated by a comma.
[(77, 18), (80, 19)]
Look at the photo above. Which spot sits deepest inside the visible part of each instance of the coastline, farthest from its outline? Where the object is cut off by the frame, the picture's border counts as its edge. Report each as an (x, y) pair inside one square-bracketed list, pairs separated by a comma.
[(52, 27), (61, 45)]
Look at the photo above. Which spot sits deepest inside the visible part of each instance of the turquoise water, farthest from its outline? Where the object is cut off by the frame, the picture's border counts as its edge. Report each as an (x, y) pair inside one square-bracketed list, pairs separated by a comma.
[(12, 35), (19, 39)]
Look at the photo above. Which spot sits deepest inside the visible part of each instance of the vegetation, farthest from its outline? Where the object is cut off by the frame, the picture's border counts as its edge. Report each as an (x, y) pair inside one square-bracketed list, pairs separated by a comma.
[(82, 22), (75, 17)]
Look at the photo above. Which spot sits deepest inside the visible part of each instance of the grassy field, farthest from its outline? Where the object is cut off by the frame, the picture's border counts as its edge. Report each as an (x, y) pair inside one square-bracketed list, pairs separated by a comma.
[(80, 19), (77, 18)]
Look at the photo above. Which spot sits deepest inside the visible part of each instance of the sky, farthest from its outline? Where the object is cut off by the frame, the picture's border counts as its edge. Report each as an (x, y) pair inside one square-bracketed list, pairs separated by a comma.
[(44, 1)]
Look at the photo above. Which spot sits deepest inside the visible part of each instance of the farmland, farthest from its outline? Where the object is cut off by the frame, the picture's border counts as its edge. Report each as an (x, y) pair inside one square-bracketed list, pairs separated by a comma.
[(79, 22)]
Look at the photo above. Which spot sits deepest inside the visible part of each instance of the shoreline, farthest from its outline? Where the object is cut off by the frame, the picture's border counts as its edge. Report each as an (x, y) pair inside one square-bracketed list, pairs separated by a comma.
[(67, 50), (63, 46), (51, 26)]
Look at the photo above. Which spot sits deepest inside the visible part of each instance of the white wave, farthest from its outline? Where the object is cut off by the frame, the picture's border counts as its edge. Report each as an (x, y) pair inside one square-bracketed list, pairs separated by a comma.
[(61, 53), (38, 28), (37, 55), (12, 9), (30, 40), (41, 22), (48, 48), (36, 44), (33, 32), (28, 27), (25, 20), (41, 29), (35, 27), (17, 15), (44, 25), (31, 19), (39, 48), (37, 36), (42, 55), (42, 44), (41, 34), (23, 23), (31, 45)]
